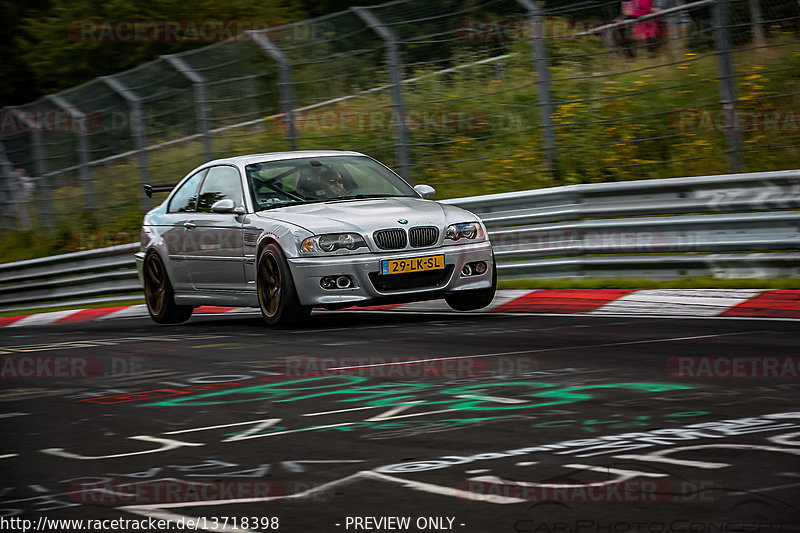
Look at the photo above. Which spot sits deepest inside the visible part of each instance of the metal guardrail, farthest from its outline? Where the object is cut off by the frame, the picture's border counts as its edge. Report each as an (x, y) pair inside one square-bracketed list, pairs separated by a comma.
[(727, 226)]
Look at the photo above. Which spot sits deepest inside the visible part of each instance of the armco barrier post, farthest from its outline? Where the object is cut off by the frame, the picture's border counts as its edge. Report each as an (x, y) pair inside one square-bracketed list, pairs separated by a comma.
[(139, 133), (8, 190), (16, 197), (759, 38), (396, 82), (82, 148), (200, 103), (727, 84), (545, 100), (285, 82), (44, 195)]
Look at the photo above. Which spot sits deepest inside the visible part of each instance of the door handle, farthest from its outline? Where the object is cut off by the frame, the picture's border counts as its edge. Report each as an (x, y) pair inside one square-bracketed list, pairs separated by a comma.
[(188, 225)]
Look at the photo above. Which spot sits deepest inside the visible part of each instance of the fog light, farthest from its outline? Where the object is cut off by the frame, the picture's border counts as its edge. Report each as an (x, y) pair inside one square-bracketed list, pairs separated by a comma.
[(480, 267), (466, 271), (343, 282), (328, 282)]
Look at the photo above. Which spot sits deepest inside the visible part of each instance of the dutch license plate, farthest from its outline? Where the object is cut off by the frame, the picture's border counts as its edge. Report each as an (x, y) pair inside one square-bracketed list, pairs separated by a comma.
[(412, 264)]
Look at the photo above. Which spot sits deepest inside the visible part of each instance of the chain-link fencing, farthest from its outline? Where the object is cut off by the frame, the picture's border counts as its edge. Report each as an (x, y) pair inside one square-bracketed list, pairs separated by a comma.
[(471, 97)]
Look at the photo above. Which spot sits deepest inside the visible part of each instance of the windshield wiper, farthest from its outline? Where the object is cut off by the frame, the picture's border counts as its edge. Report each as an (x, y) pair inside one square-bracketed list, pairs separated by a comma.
[(287, 204), (360, 196)]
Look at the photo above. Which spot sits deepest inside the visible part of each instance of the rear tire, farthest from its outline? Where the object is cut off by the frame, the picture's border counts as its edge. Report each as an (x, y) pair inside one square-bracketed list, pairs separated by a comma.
[(474, 299), (277, 296), (159, 294)]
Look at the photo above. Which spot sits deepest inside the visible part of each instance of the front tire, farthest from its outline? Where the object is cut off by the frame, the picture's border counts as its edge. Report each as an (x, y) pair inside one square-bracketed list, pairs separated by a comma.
[(159, 294), (474, 299), (277, 296)]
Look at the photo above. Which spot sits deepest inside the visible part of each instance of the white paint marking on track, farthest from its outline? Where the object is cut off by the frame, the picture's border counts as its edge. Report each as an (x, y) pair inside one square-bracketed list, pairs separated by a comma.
[(136, 311), (677, 302), (9, 455), (213, 427), (765, 489), (505, 296), (445, 491), (10, 415), (41, 318), (429, 306), (541, 350), (344, 410)]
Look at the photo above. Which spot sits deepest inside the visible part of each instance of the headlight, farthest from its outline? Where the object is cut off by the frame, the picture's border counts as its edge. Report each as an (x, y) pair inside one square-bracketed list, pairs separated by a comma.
[(468, 230), (332, 242)]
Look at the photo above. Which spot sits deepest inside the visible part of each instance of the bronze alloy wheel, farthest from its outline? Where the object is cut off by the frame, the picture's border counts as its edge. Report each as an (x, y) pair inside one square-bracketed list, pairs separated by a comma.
[(277, 295), (269, 282), (159, 295), (155, 284)]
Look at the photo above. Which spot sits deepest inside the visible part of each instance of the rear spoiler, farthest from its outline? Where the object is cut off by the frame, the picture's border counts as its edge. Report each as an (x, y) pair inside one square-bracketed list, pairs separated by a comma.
[(150, 189)]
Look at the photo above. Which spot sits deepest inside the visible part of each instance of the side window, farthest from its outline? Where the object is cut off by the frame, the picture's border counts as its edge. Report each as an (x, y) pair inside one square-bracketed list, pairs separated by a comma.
[(185, 199), (222, 182)]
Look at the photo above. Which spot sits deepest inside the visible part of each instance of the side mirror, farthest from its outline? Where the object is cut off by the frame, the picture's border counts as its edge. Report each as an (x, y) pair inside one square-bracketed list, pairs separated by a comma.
[(426, 191), (226, 205)]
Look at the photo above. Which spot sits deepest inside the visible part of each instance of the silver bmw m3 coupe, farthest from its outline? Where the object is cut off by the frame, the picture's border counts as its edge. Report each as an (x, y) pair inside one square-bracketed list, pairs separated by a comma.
[(288, 232)]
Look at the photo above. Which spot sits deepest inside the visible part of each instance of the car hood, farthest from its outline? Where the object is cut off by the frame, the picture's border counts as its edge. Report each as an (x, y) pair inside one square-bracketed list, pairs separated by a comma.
[(368, 215)]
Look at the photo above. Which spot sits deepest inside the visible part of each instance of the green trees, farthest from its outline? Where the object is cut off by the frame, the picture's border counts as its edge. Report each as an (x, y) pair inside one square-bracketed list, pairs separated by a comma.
[(44, 49)]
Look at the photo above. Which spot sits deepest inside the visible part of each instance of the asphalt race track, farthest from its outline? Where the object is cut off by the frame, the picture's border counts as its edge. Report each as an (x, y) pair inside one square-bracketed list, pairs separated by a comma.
[(547, 424)]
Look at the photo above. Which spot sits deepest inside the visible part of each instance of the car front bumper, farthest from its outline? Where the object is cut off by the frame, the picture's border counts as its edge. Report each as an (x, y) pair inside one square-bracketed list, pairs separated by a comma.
[(308, 271), (140, 266)]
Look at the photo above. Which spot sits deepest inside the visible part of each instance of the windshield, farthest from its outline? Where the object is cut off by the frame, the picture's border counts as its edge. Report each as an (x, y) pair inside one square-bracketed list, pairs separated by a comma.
[(321, 179)]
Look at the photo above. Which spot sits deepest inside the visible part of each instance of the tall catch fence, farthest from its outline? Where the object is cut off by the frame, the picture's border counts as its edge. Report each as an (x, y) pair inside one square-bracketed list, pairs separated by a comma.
[(480, 97)]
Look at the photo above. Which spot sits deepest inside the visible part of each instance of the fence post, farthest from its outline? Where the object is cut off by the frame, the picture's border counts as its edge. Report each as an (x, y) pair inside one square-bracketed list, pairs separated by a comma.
[(396, 82), (727, 84), (200, 103), (84, 170), (9, 189), (44, 196), (544, 97), (759, 38), (285, 83), (138, 130)]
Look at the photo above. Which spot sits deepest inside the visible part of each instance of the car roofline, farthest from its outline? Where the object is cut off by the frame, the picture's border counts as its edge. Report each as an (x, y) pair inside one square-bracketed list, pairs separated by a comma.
[(280, 156)]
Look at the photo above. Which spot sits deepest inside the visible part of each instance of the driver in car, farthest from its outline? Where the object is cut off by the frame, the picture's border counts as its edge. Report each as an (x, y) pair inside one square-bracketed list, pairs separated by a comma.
[(333, 183)]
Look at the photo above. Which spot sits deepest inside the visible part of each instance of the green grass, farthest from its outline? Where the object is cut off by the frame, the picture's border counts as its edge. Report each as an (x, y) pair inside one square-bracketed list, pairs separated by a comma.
[(66, 307)]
